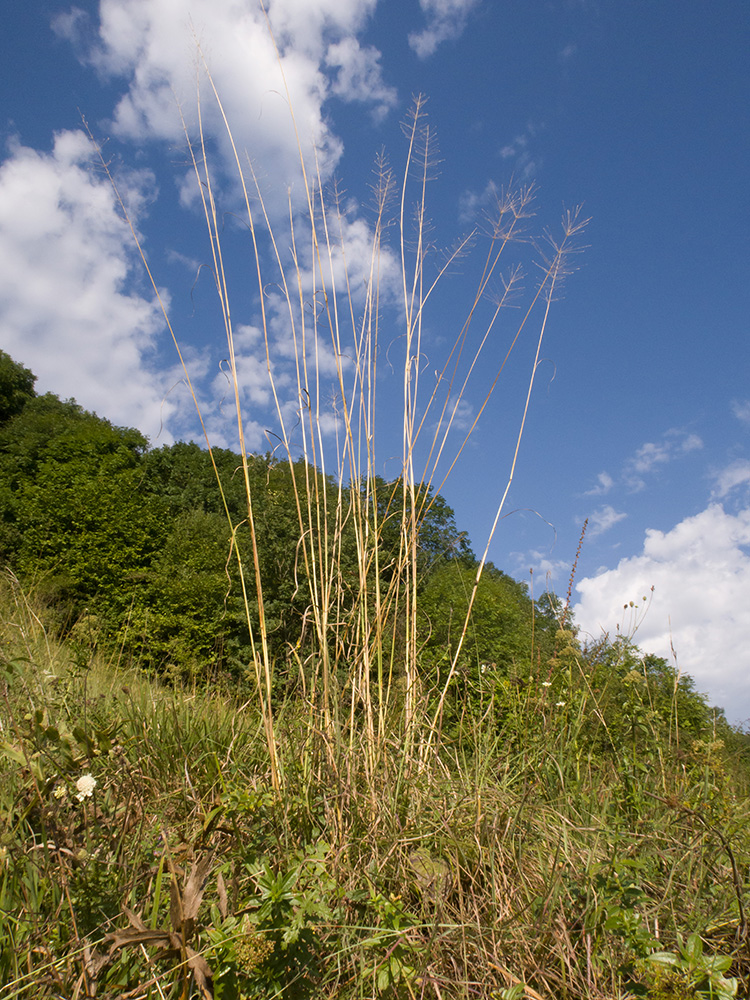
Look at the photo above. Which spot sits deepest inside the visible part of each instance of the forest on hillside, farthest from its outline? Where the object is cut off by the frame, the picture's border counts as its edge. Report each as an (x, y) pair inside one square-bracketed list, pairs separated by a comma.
[(134, 545), (146, 553), (140, 550)]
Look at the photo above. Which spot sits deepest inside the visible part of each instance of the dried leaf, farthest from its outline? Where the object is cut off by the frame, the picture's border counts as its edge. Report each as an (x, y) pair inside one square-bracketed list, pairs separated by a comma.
[(223, 899), (201, 973), (123, 939), (173, 944), (134, 919), (175, 904), (175, 947), (138, 933), (195, 886), (184, 906), (93, 961)]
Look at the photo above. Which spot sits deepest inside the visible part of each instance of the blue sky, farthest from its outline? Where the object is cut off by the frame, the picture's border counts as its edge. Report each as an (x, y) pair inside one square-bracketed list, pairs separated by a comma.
[(640, 413)]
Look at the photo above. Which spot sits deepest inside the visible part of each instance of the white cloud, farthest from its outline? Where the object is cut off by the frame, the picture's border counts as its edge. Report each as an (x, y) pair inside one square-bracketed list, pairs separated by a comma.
[(359, 76), (655, 454), (350, 259), (69, 308), (649, 458), (701, 574), (519, 150), (691, 443), (152, 44), (469, 203), (325, 337), (304, 24), (603, 519), (446, 19), (457, 418), (541, 564), (741, 410), (472, 204), (567, 53), (605, 482), (650, 455), (734, 475), (191, 263)]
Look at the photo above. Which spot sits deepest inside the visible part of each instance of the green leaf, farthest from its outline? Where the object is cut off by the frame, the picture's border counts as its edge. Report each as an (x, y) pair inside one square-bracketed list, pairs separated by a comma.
[(693, 949), (664, 958), (717, 964), (13, 753)]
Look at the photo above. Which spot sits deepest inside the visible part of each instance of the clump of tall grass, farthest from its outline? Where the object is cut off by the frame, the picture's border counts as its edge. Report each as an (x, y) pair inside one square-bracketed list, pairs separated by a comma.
[(362, 671)]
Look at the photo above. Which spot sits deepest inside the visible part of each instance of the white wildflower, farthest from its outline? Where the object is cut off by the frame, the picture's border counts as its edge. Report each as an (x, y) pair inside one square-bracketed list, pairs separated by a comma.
[(546, 684), (85, 785), (559, 704)]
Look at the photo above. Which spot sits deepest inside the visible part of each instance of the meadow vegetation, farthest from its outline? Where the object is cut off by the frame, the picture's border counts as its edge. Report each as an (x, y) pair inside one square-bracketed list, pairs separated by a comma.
[(270, 727), (596, 848)]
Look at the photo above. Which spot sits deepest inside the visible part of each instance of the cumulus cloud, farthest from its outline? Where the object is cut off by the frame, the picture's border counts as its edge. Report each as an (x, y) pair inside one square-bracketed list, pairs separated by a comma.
[(701, 574), (483, 204), (540, 564), (157, 48), (690, 442), (446, 20), (741, 410), (359, 76), (469, 203), (152, 44), (69, 305), (306, 326), (650, 455), (649, 458)]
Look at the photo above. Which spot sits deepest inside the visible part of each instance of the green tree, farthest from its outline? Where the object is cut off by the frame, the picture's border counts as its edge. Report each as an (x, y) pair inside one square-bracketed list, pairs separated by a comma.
[(39, 441), (499, 630), (187, 613), (641, 698), (183, 476), (438, 537), (16, 387), (86, 537)]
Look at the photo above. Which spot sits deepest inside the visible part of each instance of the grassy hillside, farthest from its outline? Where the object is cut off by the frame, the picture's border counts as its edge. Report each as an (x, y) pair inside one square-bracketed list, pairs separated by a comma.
[(597, 848), (270, 727)]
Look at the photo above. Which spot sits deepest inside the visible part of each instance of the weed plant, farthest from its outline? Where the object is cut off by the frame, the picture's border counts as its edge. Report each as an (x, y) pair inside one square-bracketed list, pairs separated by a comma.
[(391, 829)]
